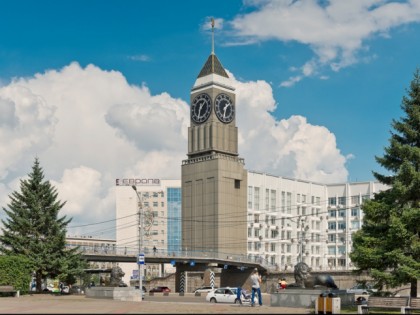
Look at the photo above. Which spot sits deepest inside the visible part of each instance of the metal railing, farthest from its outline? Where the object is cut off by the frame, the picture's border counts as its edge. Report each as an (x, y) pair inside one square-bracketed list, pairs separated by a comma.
[(179, 254)]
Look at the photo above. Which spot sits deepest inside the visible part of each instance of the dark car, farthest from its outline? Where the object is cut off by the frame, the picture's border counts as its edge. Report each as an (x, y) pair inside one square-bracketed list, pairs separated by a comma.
[(160, 289)]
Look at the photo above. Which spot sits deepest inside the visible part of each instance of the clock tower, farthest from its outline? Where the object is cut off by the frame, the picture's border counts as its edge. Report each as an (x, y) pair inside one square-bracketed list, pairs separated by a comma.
[(214, 181)]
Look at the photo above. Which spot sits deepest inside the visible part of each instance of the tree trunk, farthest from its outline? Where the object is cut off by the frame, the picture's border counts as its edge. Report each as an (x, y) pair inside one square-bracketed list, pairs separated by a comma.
[(38, 279), (413, 289)]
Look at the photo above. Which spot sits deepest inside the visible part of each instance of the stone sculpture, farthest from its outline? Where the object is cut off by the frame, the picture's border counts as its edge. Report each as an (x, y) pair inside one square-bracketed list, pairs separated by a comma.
[(116, 276), (303, 278)]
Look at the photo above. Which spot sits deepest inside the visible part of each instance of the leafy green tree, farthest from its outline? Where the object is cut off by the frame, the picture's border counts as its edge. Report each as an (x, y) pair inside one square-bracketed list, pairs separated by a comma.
[(388, 243), (16, 271), (33, 229)]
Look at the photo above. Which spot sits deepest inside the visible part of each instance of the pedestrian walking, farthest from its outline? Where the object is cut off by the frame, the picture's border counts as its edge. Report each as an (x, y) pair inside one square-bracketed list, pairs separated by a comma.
[(256, 288)]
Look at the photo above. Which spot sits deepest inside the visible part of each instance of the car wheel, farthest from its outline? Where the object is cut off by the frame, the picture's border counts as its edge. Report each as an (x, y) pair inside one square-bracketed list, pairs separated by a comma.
[(364, 293), (238, 301), (213, 300)]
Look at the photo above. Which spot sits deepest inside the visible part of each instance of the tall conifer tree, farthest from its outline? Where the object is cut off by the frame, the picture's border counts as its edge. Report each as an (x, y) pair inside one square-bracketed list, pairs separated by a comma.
[(388, 243), (34, 229)]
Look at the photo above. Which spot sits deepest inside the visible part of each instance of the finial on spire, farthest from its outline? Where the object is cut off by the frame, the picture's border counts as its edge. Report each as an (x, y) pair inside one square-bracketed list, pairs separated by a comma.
[(212, 36)]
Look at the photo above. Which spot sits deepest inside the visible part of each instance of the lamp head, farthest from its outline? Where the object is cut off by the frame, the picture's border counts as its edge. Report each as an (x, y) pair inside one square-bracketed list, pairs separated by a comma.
[(134, 187)]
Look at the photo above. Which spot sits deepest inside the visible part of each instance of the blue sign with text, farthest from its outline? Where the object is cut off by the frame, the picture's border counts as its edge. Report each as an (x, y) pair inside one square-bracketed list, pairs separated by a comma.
[(141, 259)]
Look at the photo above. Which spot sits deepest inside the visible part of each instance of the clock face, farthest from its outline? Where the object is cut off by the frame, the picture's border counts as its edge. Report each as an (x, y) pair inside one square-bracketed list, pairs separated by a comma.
[(201, 108), (223, 106)]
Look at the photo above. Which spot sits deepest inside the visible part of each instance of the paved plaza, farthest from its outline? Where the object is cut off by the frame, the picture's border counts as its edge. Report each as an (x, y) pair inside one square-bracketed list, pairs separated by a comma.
[(79, 304)]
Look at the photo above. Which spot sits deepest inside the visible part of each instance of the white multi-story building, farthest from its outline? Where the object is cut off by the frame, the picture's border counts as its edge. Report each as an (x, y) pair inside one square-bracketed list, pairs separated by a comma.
[(291, 220), (159, 201)]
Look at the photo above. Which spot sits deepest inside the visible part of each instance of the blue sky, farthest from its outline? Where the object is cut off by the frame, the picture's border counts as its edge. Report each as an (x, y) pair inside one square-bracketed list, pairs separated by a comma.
[(318, 84)]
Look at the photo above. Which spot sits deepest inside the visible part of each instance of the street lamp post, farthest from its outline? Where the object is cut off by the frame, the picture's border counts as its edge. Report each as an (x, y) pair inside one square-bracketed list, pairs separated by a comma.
[(303, 229), (301, 224), (301, 239), (140, 220)]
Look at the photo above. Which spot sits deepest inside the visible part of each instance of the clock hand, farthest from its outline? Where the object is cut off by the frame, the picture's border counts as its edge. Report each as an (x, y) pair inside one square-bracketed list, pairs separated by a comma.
[(199, 110), (224, 109)]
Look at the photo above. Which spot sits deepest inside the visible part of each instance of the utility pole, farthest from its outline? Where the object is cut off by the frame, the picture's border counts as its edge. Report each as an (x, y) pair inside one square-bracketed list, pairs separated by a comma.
[(140, 249)]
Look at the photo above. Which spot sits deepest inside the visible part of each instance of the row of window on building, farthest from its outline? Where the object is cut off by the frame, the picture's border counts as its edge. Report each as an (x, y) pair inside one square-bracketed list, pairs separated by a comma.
[(254, 200)]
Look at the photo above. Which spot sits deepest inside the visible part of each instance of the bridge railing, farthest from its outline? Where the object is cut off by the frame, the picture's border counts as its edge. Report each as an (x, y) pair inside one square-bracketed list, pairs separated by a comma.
[(179, 254)]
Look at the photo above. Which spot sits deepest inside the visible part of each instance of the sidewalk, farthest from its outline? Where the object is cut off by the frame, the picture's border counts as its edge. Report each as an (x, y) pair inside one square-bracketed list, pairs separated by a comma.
[(79, 304)]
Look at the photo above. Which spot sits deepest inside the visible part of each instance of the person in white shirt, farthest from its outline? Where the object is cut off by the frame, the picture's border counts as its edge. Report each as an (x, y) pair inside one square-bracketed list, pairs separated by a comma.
[(255, 283)]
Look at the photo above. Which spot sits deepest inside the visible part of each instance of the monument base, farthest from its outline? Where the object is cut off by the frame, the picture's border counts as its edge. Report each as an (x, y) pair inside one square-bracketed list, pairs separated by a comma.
[(298, 297), (114, 293)]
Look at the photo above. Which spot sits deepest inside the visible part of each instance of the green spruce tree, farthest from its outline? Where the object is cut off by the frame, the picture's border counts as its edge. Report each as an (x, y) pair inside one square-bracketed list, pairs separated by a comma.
[(33, 228), (388, 243)]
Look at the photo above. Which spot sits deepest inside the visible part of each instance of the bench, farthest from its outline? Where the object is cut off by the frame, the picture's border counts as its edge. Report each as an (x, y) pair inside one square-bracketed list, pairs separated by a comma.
[(9, 289), (383, 303), (414, 305)]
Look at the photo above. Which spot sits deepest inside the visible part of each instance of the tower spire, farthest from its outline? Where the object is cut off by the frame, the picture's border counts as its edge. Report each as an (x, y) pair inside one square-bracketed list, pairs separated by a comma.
[(212, 65), (212, 36)]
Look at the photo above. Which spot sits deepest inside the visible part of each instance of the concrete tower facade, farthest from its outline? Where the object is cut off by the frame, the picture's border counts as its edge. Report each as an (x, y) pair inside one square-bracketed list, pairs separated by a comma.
[(214, 180)]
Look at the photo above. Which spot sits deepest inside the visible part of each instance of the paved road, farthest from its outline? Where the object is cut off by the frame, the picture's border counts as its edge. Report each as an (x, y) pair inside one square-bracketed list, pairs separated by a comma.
[(158, 304)]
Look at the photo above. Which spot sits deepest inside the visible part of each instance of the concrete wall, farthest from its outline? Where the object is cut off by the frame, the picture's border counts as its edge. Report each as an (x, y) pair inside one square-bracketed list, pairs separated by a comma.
[(231, 277), (343, 280)]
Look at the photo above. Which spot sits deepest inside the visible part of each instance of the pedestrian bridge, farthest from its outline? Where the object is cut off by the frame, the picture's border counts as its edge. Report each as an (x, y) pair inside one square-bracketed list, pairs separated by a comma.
[(124, 254)]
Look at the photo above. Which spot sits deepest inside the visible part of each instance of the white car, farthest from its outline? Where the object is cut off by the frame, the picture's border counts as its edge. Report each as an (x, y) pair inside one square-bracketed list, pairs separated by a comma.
[(362, 289), (204, 289), (229, 295), (52, 289)]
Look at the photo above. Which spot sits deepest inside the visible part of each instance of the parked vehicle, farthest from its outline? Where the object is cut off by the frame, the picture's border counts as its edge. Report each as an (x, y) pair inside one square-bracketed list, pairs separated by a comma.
[(205, 289), (50, 288), (229, 295), (160, 289), (362, 289)]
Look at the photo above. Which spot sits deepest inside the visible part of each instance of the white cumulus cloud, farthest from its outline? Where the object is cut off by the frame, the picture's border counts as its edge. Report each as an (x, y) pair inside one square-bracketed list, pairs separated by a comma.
[(288, 147), (336, 30), (88, 127)]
